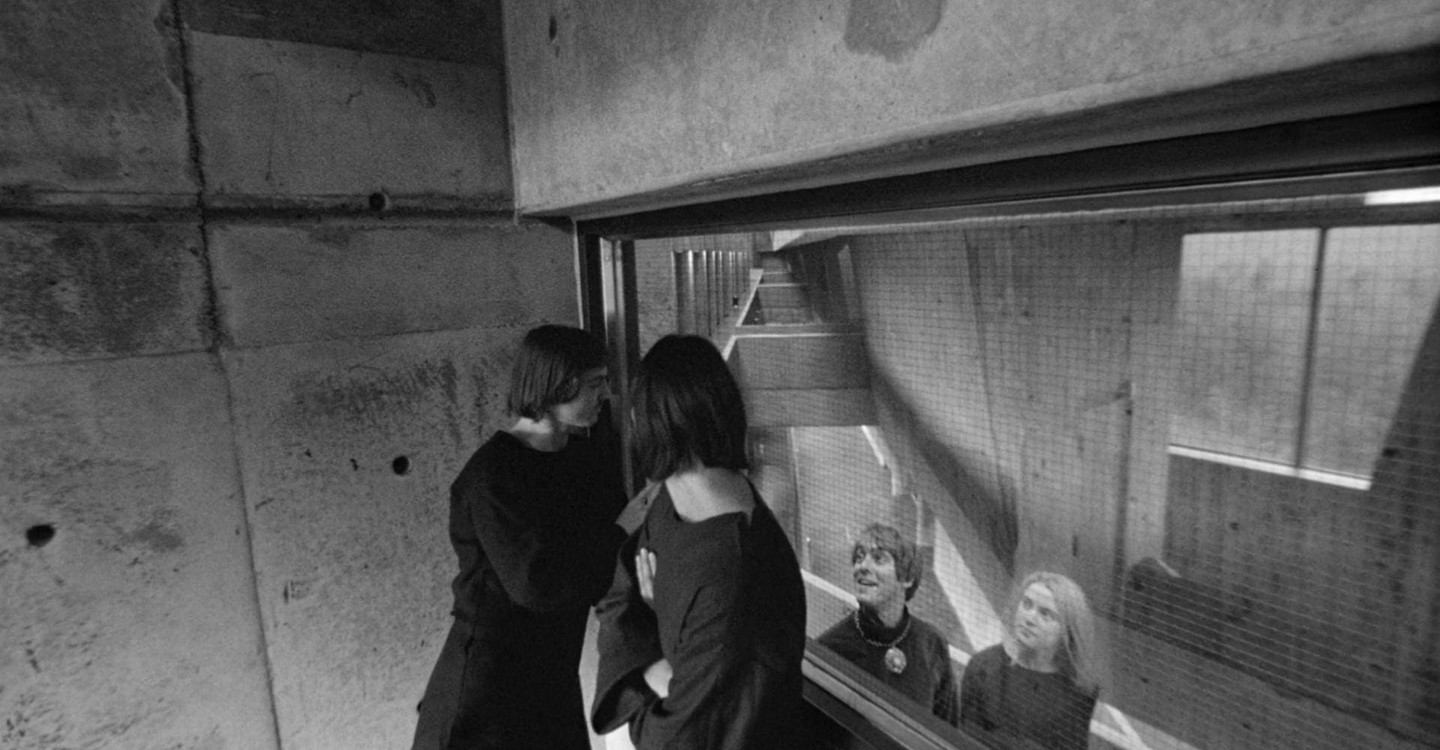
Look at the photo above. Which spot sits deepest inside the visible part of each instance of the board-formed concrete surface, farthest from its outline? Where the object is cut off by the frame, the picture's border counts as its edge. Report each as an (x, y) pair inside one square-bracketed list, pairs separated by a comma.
[(74, 291), (285, 120), (286, 284), (128, 619), (348, 449), (92, 103), (259, 285)]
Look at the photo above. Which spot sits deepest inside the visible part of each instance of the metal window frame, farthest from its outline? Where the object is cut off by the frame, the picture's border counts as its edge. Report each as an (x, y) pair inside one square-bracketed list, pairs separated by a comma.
[(1367, 151)]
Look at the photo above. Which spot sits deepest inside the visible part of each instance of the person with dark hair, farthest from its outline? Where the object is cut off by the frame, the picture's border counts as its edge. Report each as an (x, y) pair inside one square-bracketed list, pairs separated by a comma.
[(703, 630), (536, 518), (882, 637), (1038, 687)]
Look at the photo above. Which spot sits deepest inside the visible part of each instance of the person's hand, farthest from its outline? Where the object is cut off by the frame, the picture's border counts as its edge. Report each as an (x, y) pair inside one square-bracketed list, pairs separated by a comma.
[(634, 513), (657, 676), (645, 574)]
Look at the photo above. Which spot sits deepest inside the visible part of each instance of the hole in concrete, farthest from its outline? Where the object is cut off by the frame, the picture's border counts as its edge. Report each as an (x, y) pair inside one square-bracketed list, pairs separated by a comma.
[(379, 201), (40, 534), (401, 466), (554, 28)]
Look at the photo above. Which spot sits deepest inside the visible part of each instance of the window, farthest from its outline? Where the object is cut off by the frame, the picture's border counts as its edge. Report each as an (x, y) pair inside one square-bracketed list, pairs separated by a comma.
[(1218, 419), (1296, 343)]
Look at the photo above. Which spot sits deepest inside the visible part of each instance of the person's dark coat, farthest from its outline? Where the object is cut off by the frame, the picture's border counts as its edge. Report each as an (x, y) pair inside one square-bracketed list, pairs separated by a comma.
[(729, 616), (535, 538)]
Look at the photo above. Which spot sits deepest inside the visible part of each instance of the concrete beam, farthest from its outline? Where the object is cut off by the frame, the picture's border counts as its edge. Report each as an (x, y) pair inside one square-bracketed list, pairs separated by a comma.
[(793, 407), (818, 361)]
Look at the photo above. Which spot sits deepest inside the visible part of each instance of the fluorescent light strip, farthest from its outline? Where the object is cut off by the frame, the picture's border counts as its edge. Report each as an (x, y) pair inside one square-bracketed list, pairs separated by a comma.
[(1397, 197), (1270, 467)]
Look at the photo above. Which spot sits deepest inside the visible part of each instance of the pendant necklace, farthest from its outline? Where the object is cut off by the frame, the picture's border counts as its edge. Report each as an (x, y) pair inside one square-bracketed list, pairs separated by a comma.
[(894, 657)]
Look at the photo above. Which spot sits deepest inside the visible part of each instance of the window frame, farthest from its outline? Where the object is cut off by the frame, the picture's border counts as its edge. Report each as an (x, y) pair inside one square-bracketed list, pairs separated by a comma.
[(1350, 153)]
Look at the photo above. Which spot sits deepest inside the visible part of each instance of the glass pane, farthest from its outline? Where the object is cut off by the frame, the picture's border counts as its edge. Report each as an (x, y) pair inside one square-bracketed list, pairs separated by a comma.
[(1380, 286), (1245, 300), (1116, 397)]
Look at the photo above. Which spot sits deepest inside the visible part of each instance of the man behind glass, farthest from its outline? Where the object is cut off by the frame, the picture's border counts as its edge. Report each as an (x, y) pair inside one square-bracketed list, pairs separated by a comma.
[(882, 637)]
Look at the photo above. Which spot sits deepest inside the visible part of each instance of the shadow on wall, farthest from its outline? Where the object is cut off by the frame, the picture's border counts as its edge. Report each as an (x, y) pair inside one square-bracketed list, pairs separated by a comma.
[(991, 511), (968, 571)]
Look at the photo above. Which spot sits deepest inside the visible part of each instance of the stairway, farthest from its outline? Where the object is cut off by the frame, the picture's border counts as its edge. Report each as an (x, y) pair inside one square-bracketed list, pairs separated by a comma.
[(796, 368)]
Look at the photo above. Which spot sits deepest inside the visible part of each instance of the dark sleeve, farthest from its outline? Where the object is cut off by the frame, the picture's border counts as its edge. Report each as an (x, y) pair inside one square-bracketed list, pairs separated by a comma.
[(628, 643), (972, 693), (543, 565), (835, 637), (945, 703), (708, 663)]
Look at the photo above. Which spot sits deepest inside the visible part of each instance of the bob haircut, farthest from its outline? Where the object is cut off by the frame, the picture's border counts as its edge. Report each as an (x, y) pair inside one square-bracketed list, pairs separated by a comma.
[(1078, 658), (907, 562), (548, 368), (687, 410)]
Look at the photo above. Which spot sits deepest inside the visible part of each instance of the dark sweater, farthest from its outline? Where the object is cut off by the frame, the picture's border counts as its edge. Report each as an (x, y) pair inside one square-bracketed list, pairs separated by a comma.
[(1030, 709), (532, 530), (535, 538), (729, 616), (927, 678)]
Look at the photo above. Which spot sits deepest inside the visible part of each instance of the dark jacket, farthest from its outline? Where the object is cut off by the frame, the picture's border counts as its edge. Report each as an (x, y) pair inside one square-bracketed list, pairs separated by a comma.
[(729, 616), (535, 538)]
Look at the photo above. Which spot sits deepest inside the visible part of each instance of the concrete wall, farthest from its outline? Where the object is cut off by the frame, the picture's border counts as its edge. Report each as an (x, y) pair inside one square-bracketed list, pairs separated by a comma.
[(259, 285), (633, 97)]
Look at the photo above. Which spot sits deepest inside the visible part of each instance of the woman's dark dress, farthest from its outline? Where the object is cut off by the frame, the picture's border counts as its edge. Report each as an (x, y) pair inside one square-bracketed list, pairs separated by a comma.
[(535, 536), (1021, 707), (729, 615)]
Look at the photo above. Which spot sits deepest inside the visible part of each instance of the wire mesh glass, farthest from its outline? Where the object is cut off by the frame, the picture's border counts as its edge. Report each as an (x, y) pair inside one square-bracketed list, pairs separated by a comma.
[(1222, 423)]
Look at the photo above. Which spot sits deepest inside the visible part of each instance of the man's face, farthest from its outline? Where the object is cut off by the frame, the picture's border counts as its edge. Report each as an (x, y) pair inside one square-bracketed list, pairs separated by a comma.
[(584, 409), (876, 583)]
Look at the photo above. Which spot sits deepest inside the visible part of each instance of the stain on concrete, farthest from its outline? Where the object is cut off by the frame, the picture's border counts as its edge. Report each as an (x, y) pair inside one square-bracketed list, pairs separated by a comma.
[(368, 394), (418, 88), (331, 235), (93, 290), (295, 591), (85, 167), (57, 53), (891, 29), (37, 721), (19, 193), (156, 537)]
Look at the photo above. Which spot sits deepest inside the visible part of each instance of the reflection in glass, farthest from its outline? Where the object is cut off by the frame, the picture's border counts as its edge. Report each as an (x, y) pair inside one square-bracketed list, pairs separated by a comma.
[(897, 648), (1038, 687), (1220, 422)]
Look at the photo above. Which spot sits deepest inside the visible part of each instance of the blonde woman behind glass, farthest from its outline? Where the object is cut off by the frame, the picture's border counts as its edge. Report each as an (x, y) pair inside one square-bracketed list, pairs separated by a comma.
[(1038, 687)]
